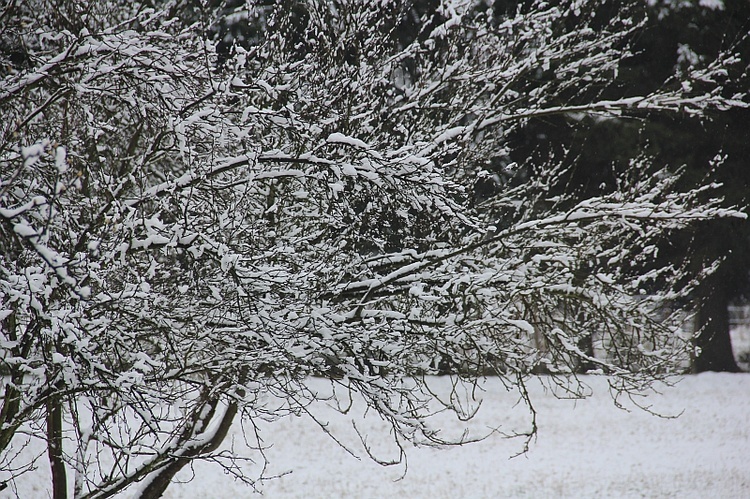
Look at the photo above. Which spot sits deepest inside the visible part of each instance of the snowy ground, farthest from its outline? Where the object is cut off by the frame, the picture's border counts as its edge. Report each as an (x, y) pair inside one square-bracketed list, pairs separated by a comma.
[(585, 449)]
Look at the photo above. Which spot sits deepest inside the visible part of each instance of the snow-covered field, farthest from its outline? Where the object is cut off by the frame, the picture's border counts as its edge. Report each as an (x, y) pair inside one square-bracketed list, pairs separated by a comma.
[(585, 448)]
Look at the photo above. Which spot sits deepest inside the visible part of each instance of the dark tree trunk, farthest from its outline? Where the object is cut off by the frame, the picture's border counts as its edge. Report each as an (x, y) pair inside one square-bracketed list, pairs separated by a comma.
[(163, 477), (714, 341), (55, 449), (586, 345), (11, 402)]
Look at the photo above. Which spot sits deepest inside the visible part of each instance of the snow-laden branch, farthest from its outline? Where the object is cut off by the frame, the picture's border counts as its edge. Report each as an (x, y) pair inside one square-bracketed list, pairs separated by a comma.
[(183, 223)]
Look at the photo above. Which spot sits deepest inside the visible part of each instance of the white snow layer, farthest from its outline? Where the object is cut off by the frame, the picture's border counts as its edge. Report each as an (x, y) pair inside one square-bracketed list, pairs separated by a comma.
[(585, 449)]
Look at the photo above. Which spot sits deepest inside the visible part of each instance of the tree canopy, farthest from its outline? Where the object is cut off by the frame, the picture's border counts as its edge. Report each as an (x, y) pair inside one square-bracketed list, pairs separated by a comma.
[(192, 224)]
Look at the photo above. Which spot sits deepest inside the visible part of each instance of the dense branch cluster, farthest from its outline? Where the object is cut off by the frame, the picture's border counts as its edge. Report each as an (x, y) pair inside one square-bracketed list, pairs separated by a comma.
[(188, 232)]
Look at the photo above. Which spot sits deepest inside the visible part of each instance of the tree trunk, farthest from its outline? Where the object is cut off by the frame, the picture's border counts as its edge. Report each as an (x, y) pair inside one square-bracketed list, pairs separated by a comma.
[(162, 478), (714, 341), (55, 449), (12, 400), (586, 345)]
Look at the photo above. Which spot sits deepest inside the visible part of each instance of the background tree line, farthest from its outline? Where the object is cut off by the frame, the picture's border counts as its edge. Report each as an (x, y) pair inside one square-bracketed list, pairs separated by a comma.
[(675, 37)]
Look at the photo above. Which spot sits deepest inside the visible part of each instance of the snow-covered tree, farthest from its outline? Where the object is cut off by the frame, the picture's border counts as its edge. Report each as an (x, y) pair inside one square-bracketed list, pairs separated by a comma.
[(188, 231)]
